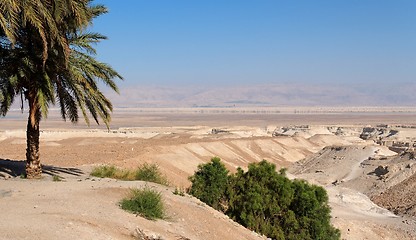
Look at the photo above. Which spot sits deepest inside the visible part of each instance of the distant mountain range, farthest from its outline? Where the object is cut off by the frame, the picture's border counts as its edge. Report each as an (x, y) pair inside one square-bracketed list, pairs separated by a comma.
[(267, 95)]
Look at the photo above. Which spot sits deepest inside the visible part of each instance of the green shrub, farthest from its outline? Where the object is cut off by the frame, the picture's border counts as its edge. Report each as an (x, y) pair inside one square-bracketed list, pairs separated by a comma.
[(209, 183), (259, 197), (150, 173), (104, 171), (310, 205), (146, 172), (266, 201), (57, 178), (179, 191), (144, 202)]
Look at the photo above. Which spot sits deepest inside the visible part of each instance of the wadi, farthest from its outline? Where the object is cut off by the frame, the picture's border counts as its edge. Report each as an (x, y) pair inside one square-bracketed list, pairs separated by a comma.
[(368, 170)]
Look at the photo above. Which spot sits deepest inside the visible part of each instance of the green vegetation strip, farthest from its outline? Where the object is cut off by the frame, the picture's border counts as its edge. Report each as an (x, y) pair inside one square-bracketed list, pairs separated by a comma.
[(146, 172)]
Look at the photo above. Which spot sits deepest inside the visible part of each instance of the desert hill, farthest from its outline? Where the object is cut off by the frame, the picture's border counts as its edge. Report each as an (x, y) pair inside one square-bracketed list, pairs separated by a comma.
[(353, 170), (358, 177)]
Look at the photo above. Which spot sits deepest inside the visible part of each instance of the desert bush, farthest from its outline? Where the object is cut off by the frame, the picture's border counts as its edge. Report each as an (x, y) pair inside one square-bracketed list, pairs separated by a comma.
[(267, 202), (150, 173), (259, 198), (146, 172), (57, 178), (310, 206), (104, 171), (209, 183), (179, 191), (144, 202)]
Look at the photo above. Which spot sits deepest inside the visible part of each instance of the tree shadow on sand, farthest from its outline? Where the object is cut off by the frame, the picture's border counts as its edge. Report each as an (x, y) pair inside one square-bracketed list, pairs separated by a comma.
[(15, 168)]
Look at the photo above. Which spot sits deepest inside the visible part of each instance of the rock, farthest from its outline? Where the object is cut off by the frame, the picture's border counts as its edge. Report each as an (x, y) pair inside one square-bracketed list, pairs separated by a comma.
[(380, 171), (217, 131)]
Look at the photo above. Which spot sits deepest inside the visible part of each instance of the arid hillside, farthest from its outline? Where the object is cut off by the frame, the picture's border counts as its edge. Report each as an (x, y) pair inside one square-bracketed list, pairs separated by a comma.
[(354, 169)]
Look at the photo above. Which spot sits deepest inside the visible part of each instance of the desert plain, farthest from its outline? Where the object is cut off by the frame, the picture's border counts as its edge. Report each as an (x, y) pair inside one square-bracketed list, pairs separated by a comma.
[(363, 157)]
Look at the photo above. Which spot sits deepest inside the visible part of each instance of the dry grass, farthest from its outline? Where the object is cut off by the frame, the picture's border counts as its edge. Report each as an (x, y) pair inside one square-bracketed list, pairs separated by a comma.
[(146, 172)]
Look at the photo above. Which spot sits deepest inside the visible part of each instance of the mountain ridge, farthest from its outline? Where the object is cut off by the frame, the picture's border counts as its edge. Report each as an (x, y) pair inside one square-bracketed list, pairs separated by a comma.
[(292, 94)]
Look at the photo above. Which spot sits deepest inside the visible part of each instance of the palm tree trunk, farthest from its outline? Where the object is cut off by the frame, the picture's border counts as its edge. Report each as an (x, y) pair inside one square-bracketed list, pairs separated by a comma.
[(33, 167)]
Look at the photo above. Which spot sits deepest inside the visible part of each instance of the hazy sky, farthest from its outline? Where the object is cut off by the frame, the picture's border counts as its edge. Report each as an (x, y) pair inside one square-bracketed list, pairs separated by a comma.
[(211, 42)]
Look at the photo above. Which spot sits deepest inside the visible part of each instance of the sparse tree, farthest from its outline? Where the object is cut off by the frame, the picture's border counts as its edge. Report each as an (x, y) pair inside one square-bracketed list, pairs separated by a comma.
[(47, 58), (266, 201), (209, 183)]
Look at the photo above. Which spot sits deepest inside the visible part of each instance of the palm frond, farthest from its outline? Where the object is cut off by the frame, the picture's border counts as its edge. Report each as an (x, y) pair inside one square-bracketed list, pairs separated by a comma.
[(7, 94), (9, 18), (50, 56)]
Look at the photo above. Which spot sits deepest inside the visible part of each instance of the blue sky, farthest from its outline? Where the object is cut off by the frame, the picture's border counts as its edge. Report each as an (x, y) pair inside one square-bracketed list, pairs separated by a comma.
[(201, 42)]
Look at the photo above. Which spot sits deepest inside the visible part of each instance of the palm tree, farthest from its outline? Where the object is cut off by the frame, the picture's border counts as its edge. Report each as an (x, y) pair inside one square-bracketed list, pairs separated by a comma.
[(50, 19), (48, 58)]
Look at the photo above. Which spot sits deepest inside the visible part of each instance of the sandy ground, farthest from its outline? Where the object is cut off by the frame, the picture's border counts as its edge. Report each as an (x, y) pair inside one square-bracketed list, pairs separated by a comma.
[(87, 208)]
